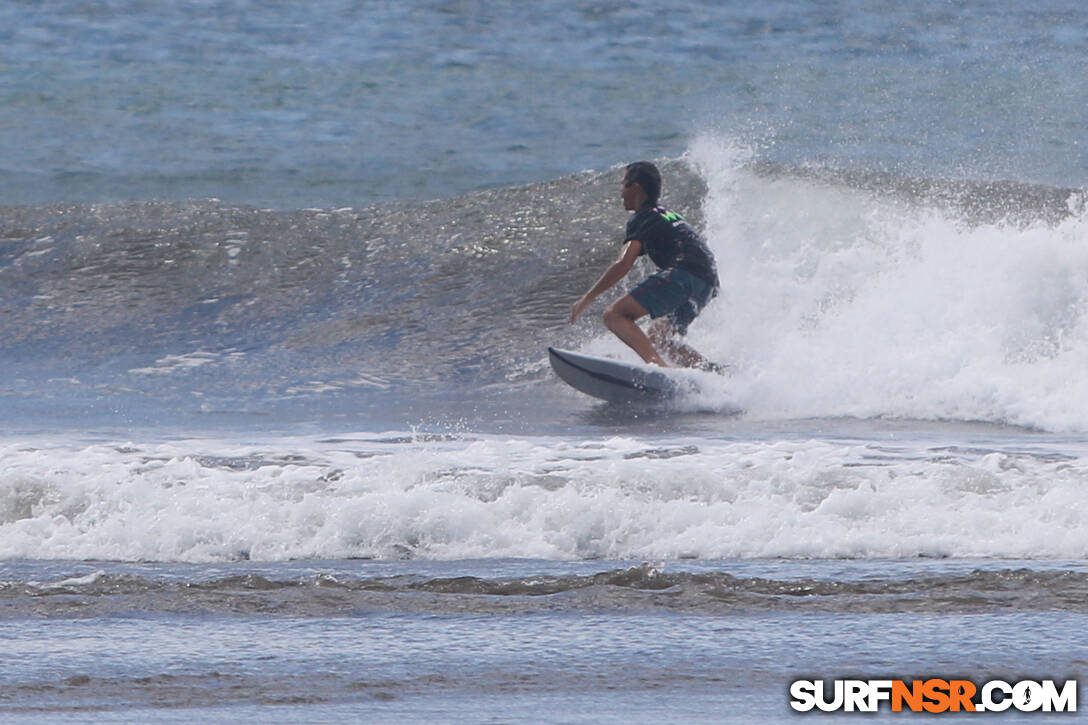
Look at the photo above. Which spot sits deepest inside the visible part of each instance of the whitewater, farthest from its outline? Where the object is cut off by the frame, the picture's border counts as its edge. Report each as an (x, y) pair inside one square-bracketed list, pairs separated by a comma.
[(619, 498)]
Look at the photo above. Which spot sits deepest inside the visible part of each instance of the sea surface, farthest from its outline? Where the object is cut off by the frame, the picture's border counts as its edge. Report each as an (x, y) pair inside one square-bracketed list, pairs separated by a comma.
[(279, 441)]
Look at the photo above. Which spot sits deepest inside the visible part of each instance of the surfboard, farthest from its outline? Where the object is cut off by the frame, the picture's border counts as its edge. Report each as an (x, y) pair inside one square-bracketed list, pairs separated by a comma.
[(612, 380)]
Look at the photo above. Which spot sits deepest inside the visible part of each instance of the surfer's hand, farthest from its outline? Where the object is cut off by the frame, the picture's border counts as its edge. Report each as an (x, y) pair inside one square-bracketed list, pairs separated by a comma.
[(577, 308)]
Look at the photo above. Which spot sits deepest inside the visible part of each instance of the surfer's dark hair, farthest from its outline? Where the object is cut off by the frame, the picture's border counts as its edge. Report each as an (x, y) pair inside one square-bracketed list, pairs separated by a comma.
[(647, 176)]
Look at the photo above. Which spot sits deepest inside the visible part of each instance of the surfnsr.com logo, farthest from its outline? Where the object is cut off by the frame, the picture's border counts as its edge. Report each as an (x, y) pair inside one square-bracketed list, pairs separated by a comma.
[(933, 696)]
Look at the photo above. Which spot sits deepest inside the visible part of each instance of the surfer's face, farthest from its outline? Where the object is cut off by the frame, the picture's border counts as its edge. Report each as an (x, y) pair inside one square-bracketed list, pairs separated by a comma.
[(632, 194)]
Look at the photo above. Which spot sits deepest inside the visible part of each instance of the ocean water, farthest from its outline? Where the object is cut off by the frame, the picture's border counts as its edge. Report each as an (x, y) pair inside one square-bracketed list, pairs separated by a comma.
[(279, 441)]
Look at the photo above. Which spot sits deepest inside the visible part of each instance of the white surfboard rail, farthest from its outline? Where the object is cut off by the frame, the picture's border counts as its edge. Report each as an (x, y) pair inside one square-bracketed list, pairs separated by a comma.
[(611, 380)]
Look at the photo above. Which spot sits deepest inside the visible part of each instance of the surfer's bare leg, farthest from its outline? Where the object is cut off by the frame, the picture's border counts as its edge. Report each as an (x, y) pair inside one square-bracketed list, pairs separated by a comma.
[(664, 337), (621, 318)]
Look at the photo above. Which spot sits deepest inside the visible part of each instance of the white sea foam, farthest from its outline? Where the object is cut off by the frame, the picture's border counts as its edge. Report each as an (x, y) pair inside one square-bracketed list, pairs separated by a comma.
[(174, 363), (838, 301), (205, 500)]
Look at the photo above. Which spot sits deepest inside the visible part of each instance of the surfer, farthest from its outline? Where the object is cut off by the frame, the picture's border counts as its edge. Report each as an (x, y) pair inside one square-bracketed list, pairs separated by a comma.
[(687, 278)]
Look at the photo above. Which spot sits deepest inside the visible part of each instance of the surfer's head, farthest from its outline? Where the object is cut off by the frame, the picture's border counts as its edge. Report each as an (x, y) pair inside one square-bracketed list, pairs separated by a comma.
[(646, 176)]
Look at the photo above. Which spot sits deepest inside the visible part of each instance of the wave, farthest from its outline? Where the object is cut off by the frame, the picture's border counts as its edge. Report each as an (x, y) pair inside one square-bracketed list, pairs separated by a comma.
[(399, 292), (856, 295), (887, 296), (453, 498), (645, 587)]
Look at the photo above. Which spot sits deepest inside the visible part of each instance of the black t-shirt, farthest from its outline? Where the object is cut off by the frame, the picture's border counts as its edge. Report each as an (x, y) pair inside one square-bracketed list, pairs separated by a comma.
[(672, 243)]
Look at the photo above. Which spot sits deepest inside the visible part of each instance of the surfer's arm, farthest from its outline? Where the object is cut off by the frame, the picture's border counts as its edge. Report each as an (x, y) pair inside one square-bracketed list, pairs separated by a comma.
[(615, 272)]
